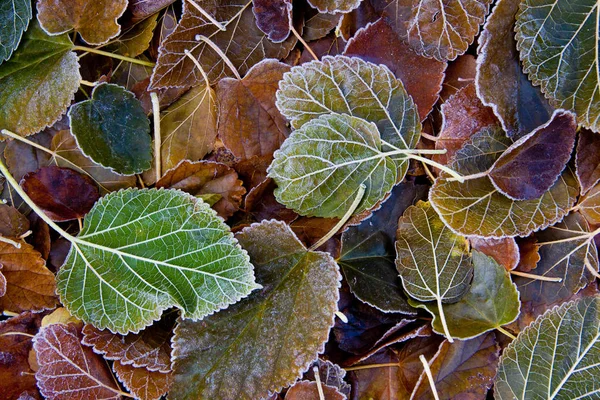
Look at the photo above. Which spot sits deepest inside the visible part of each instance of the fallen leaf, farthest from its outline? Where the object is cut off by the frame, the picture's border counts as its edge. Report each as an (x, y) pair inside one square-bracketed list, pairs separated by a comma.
[(501, 83), (68, 369), (330, 45), (589, 205), (587, 159), (12, 222), (22, 158), (30, 286), (141, 9), (260, 203), (330, 374), (306, 390), (242, 42), (334, 6), (532, 164), (298, 286), (59, 316), (461, 370), (504, 250), (249, 123), (14, 19), (274, 18), (136, 39), (207, 177), (38, 83), (529, 253), (317, 25), (112, 129), (52, 188), (422, 77), (142, 383)]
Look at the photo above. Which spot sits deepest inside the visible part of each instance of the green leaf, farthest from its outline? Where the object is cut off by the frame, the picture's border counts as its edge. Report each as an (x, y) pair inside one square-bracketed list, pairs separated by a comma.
[(559, 44), (368, 253), (491, 302), (38, 83), (321, 166), (113, 130), (14, 19), (266, 341), (349, 85), (142, 251), (556, 357), (476, 207)]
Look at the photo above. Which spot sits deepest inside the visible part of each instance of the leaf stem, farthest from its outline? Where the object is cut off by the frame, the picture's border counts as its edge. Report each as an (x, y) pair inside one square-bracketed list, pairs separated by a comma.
[(590, 268), (429, 137), (443, 320), (341, 222), (370, 366), (87, 83), (301, 40), (427, 371), (18, 334), (444, 168), (507, 333), (319, 385), (536, 277), (207, 15), (223, 56), (157, 138), (341, 316), (10, 241), (113, 55), (188, 54), (15, 185)]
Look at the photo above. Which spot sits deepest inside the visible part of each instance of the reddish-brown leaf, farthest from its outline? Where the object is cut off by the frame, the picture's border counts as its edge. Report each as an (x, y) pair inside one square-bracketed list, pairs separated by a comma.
[(529, 253), (260, 203), (207, 177), (142, 383), (2, 283), (422, 77), (318, 25), (587, 161), (30, 286), (249, 122), (69, 370), (16, 376), (307, 390), (505, 250), (40, 238), (531, 165), (274, 18), (63, 194), (140, 9), (22, 158), (150, 349), (330, 45), (12, 222)]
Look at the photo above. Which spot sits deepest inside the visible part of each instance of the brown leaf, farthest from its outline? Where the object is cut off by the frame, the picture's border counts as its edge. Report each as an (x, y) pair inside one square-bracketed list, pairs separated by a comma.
[(274, 18), (422, 77), (307, 390), (461, 370), (249, 122), (589, 205), (166, 25), (62, 193), (16, 376), (587, 161), (329, 45), (460, 73), (260, 203), (68, 369), (242, 42), (207, 177), (2, 283), (40, 238), (464, 116), (166, 97), (330, 374), (30, 286), (142, 383), (12, 222), (531, 165), (95, 20), (311, 229), (529, 253), (22, 158), (504, 250), (318, 25), (141, 9), (150, 349)]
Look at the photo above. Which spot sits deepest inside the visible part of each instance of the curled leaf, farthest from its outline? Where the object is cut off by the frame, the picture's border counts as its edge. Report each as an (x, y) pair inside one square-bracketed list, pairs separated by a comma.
[(274, 18)]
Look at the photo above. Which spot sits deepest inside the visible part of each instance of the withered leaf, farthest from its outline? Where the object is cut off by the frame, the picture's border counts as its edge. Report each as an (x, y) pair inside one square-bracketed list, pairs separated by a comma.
[(504, 250), (94, 20), (140, 9), (330, 374), (22, 158), (242, 42), (12, 222), (307, 390), (317, 25), (532, 164), (274, 18), (249, 123), (142, 383), (207, 177), (587, 160), (422, 77), (68, 369), (135, 40), (29, 284), (53, 188), (288, 322), (529, 254), (461, 370), (330, 45), (589, 205), (334, 6)]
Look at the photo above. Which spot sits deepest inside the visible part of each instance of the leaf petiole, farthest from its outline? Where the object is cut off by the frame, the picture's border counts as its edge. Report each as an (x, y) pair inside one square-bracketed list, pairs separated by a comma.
[(442, 167), (223, 56), (443, 320), (157, 138), (301, 40), (536, 277), (113, 55), (505, 332), (207, 15), (319, 385), (427, 371), (10, 241)]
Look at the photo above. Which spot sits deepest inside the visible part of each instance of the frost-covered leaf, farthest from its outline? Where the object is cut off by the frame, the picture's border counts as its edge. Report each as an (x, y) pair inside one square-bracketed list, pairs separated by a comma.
[(320, 168), (317, 25), (205, 178), (29, 284), (142, 251), (68, 369), (249, 123), (532, 164), (589, 205), (334, 6), (422, 77), (461, 370), (367, 254), (476, 207), (556, 357), (189, 127), (287, 323), (433, 262), (141, 9), (565, 259), (14, 19), (491, 302), (558, 45), (52, 189), (349, 85), (94, 20), (504, 250), (330, 374), (38, 83), (587, 160), (142, 383), (501, 83), (242, 42), (68, 155), (113, 130), (274, 18)]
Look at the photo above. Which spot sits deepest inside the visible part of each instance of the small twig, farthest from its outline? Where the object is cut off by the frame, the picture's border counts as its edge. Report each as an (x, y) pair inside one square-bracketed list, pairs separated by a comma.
[(223, 56), (429, 376), (306, 46), (157, 138), (319, 385), (536, 277)]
